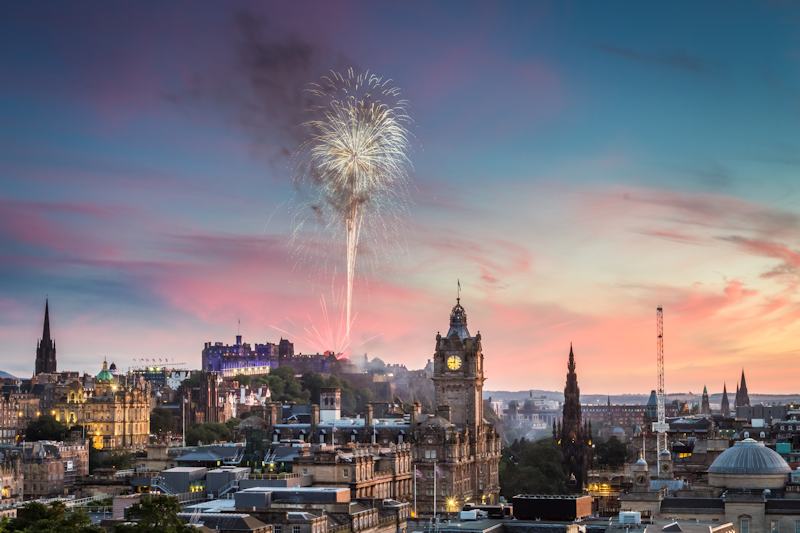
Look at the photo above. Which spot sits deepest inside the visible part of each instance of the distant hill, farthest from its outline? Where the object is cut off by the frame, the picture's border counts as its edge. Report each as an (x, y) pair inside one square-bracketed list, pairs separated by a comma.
[(638, 399), (6, 375)]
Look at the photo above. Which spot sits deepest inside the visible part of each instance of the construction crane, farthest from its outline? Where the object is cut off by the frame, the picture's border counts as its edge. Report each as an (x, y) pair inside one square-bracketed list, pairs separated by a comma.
[(660, 427)]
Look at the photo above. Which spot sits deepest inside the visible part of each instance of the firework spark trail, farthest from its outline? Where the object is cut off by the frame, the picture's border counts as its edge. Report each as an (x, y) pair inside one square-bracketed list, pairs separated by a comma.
[(355, 159), (327, 336)]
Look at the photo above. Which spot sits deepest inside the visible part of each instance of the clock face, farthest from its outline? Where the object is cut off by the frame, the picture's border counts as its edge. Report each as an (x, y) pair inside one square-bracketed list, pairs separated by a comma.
[(454, 362)]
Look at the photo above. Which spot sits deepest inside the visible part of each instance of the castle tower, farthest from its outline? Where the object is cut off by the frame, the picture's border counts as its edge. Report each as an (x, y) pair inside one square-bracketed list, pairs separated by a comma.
[(46, 347), (725, 405), (705, 405), (573, 437)]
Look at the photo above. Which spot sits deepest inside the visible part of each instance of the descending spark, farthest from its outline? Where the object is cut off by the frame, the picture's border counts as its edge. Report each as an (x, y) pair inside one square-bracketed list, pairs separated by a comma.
[(355, 159), (325, 334)]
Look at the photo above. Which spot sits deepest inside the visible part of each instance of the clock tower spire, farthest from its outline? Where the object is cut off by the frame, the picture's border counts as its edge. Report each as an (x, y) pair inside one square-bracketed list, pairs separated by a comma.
[(458, 371)]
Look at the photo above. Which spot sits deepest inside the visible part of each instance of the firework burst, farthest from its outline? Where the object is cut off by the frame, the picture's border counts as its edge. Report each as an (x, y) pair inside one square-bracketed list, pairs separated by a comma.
[(355, 161)]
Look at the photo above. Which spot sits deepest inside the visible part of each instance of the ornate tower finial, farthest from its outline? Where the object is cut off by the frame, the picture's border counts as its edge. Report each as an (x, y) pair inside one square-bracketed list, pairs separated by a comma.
[(571, 363), (574, 434)]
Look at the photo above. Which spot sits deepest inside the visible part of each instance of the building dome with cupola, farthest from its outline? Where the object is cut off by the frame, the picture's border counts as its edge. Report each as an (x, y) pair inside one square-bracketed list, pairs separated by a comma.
[(105, 375), (748, 464)]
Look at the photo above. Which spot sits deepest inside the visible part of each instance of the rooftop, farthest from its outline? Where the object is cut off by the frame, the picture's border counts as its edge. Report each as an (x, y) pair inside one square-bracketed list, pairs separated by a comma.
[(749, 457)]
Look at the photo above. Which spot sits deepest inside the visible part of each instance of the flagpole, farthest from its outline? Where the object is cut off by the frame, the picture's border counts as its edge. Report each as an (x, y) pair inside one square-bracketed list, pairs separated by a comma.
[(434, 494), (415, 491)]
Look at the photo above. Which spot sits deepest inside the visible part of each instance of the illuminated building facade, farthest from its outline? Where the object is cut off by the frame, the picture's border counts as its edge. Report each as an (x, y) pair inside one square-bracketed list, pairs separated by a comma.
[(11, 484), (114, 415)]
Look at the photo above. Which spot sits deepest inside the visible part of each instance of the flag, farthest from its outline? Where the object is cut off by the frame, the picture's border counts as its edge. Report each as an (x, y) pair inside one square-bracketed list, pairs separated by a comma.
[(417, 473), (438, 471)]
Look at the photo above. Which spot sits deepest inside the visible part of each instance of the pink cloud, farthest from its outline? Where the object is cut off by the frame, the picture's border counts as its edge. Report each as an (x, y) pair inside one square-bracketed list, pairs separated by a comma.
[(47, 226)]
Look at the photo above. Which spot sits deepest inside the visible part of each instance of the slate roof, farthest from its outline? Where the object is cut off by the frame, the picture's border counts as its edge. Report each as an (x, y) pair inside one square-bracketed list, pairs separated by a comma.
[(749, 457)]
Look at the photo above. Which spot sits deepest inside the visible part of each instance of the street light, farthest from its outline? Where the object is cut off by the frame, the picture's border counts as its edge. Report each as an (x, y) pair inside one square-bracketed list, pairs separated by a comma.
[(183, 417)]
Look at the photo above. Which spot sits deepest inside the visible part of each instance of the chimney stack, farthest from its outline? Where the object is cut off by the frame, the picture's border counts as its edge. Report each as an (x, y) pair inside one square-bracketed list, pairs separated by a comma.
[(369, 416), (416, 413)]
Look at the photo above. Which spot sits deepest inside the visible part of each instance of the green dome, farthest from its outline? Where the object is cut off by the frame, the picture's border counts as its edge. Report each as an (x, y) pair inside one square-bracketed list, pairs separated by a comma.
[(104, 375)]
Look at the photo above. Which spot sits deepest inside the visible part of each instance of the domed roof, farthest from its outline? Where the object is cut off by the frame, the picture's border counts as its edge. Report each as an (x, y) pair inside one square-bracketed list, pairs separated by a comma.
[(458, 322), (641, 462), (749, 457), (104, 375)]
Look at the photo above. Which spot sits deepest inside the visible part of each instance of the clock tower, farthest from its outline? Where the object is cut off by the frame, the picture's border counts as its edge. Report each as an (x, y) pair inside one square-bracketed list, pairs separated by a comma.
[(458, 372), (455, 451)]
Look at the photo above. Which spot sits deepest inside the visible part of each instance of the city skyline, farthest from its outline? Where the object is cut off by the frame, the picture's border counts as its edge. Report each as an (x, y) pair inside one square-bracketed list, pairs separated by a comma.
[(572, 178)]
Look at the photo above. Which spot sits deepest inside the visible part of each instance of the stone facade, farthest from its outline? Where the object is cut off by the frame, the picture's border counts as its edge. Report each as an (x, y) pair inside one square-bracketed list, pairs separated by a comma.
[(11, 480), (456, 449), (51, 468), (369, 471), (113, 414)]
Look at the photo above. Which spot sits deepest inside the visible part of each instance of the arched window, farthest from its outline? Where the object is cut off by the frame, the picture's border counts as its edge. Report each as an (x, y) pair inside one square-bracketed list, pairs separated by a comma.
[(744, 524)]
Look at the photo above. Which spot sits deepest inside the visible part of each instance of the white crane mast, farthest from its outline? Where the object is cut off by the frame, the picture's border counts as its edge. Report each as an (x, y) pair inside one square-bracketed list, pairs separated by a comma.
[(660, 427)]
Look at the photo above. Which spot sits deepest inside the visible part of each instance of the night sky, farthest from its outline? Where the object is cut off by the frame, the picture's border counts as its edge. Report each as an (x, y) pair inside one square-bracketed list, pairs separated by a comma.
[(574, 165)]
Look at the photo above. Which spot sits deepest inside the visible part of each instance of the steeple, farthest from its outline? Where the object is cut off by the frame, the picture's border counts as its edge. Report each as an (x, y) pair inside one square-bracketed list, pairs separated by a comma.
[(46, 347), (573, 435), (46, 328), (705, 406), (744, 397), (571, 363), (725, 405)]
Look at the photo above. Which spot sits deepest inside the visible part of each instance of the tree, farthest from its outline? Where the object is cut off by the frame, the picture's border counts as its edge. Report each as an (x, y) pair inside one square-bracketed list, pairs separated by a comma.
[(162, 421), (285, 387), (155, 514), (612, 453), (104, 459), (532, 467), (46, 427), (54, 518), (207, 433)]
